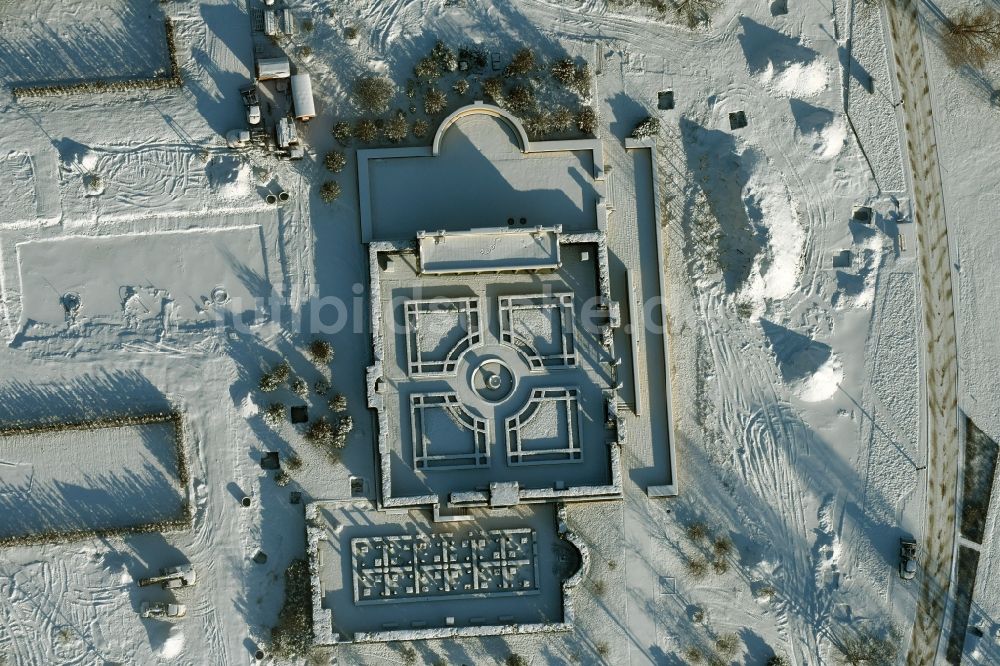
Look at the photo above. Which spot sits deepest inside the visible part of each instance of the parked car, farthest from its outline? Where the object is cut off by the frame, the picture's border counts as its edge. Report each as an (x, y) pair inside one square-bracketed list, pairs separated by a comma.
[(162, 610), (907, 558)]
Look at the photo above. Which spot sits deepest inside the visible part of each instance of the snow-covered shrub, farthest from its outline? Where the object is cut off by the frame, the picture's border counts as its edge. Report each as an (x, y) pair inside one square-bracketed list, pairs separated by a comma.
[(292, 636), (427, 69), (493, 88), (329, 191), (522, 63), (868, 646), (697, 532), (576, 78), (444, 57), (562, 119), (335, 161), (338, 403), (341, 131), (421, 128), (282, 478), (586, 120), (321, 351), (696, 566), (475, 56), (374, 93), (461, 86), (397, 128), (320, 431), (649, 127), (275, 377), (520, 99), (274, 414), (727, 646), (300, 387), (537, 125), (321, 386), (434, 101), (366, 130)]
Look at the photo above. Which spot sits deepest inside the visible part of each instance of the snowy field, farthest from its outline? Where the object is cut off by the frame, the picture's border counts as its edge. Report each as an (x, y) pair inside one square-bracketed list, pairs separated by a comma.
[(102, 479), (797, 352), (57, 42)]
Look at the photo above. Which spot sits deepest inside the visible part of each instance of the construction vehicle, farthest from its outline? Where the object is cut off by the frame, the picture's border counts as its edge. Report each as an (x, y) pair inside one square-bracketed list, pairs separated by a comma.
[(907, 558), (162, 610), (249, 96), (181, 575)]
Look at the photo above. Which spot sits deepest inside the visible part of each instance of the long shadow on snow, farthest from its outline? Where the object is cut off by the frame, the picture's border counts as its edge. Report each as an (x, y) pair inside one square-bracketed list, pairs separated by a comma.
[(721, 171), (765, 47), (810, 119), (798, 355), (756, 521)]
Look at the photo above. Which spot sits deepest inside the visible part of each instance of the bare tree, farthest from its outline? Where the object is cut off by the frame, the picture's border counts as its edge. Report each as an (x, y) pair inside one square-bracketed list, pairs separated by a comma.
[(972, 37), (696, 12)]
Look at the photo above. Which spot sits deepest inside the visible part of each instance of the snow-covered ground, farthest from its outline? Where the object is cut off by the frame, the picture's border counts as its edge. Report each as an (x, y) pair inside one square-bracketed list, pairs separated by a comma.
[(796, 350)]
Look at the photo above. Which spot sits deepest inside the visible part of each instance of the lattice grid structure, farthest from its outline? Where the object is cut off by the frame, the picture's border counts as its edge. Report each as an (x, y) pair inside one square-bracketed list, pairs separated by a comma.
[(541, 327), (546, 430), (417, 567), (432, 415), (438, 331)]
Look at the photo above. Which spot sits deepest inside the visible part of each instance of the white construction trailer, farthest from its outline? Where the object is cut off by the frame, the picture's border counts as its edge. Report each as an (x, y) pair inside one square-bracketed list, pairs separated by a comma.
[(302, 97), (273, 68)]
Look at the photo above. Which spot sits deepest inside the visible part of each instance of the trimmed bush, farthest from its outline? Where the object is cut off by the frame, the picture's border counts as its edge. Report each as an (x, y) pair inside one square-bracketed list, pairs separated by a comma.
[(171, 80)]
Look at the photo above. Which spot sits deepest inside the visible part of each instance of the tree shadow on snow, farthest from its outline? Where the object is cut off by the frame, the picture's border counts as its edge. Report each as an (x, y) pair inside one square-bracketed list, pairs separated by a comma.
[(810, 119), (798, 355), (764, 47)]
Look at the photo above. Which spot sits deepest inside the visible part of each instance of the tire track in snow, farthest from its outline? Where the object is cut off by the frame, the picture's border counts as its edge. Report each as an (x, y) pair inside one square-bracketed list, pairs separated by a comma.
[(940, 342), (770, 435)]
